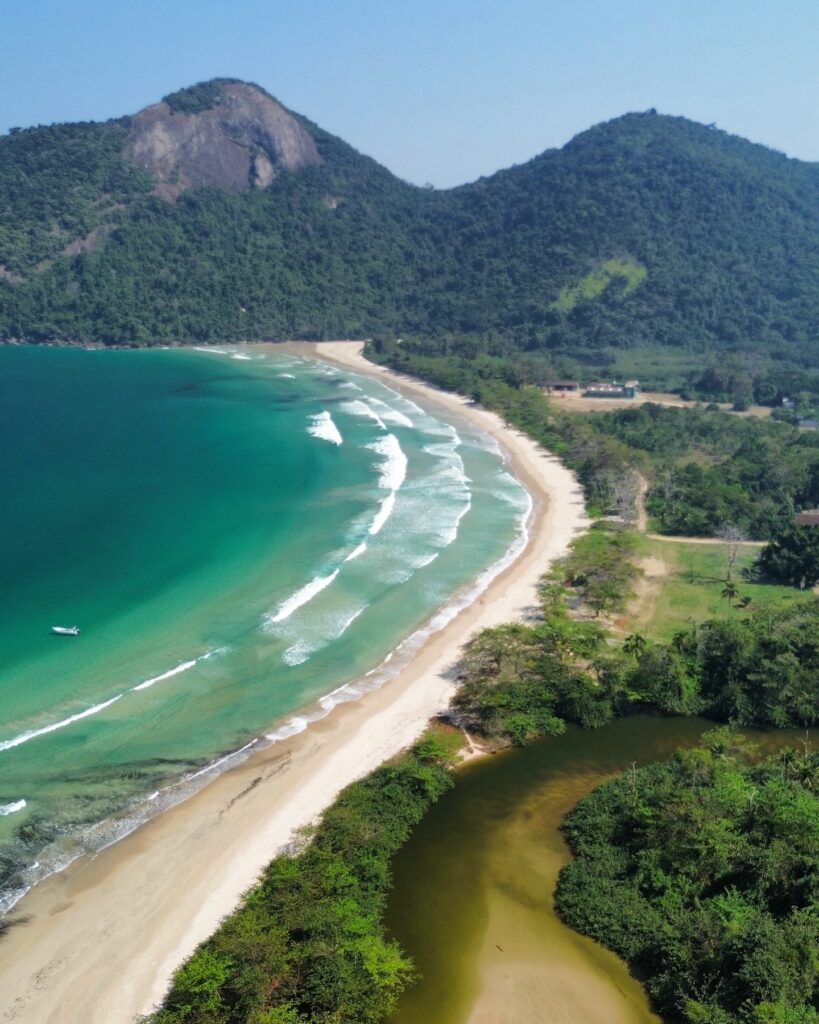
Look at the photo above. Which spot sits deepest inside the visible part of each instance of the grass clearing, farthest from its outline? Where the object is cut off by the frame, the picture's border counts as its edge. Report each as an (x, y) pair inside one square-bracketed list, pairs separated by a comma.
[(596, 282), (689, 588)]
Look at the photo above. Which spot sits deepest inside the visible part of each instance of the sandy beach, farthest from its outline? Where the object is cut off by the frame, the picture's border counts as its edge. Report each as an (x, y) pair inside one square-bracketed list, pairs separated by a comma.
[(98, 943)]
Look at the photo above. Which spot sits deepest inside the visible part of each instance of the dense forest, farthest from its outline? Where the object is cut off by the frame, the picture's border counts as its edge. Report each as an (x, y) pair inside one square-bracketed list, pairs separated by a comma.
[(702, 873), (709, 468), (647, 232)]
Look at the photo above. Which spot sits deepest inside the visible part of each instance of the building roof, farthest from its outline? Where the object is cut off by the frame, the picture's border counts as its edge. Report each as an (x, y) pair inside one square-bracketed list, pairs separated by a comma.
[(810, 517)]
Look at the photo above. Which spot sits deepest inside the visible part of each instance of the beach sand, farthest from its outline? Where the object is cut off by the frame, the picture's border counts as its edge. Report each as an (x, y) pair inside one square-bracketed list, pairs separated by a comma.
[(97, 944)]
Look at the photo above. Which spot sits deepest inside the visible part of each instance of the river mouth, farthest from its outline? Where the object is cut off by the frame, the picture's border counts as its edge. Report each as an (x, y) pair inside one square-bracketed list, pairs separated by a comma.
[(472, 901)]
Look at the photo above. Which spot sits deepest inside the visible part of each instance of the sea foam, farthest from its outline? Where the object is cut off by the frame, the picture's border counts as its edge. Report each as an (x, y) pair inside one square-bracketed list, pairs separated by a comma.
[(302, 596), (322, 426), (12, 808), (394, 465), (31, 734), (359, 408), (391, 414)]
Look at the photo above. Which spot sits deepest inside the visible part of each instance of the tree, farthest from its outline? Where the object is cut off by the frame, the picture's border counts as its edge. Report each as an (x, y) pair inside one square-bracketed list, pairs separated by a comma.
[(792, 556), (729, 591), (733, 536), (634, 644)]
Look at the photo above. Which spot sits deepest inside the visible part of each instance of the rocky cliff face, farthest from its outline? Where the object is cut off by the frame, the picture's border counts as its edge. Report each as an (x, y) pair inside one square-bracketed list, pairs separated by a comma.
[(241, 142)]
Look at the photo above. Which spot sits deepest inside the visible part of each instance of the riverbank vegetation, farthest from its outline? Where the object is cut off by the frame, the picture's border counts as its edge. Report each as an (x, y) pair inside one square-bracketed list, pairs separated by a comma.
[(702, 874), (307, 946)]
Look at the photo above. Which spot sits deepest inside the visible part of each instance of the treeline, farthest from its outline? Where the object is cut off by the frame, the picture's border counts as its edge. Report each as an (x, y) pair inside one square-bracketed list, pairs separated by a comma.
[(604, 464), (646, 232), (521, 681), (707, 469), (307, 946), (702, 873)]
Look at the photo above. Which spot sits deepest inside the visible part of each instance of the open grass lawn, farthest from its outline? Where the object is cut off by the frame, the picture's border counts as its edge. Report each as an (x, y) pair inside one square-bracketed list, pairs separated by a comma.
[(683, 585)]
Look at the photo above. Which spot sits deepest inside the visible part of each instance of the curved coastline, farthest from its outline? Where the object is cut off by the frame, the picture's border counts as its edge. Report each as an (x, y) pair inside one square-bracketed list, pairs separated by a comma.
[(99, 941)]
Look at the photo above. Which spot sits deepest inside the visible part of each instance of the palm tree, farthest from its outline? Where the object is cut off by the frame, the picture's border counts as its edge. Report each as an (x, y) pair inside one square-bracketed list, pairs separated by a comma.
[(635, 644), (729, 591)]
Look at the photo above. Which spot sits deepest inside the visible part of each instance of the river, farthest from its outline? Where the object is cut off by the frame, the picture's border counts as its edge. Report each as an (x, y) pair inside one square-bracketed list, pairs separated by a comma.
[(473, 896)]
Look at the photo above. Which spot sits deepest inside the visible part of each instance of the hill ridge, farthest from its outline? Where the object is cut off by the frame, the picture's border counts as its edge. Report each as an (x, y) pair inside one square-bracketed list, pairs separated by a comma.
[(719, 237)]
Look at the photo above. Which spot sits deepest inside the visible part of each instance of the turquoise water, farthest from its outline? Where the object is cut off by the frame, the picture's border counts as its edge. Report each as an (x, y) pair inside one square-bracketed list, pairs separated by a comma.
[(230, 564)]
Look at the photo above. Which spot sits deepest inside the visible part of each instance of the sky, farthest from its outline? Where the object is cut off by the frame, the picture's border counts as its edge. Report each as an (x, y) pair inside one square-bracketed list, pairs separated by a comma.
[(439, 91)]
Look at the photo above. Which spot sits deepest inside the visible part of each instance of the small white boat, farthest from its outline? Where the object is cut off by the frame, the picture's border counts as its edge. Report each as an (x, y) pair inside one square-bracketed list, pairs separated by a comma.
[(66, 630)]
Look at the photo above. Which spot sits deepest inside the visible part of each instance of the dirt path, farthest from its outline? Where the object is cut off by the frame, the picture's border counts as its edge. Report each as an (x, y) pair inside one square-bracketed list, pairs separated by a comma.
[(642, 524)]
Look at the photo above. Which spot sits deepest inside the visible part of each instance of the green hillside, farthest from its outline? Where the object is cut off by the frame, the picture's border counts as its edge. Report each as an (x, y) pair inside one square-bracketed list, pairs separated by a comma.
[(642, 232)]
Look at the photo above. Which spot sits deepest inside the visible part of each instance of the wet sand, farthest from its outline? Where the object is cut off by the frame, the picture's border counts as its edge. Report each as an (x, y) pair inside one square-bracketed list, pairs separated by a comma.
[(97, 944)]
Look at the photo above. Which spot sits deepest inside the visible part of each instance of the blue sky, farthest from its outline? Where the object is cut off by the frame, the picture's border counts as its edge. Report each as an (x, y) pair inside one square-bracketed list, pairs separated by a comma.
[(440, 91)]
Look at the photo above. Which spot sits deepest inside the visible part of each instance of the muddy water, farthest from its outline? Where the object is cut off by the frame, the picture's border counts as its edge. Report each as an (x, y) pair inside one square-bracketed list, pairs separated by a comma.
[(472, 902)]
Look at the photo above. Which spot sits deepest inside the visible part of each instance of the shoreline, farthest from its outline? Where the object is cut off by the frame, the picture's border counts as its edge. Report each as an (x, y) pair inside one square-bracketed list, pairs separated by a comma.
[(99, 941)]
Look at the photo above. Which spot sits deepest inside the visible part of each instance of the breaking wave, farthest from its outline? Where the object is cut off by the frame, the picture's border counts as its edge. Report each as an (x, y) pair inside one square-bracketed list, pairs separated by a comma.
[(394, 467), (302, 596), (12, 808), (322, 426)]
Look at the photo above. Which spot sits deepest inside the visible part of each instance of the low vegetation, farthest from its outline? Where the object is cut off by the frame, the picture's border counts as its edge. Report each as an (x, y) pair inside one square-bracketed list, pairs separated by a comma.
[(702, 874), (687, 583)]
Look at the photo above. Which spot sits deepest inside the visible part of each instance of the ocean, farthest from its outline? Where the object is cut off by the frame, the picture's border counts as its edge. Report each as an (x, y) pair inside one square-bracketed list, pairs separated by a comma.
[(244, 538)]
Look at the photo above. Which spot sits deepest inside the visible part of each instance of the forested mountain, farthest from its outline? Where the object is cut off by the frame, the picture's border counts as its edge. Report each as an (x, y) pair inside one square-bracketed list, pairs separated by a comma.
[(218, 214)]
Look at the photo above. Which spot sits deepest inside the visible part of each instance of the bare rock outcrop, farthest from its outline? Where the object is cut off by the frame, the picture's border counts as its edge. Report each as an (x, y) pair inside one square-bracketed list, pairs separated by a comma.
[(241, 142)]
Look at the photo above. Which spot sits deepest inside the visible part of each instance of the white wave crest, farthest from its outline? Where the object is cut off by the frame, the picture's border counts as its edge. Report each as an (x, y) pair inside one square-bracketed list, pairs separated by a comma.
[(383, 514), (288, 376), (390, 414), (359, 408), (356, 552), (183, 667), (322, 426), (302, 596), (333, 628), (290, 728), (239, 355), (394, 466), (222, 760), (12, 808), (24, 737)]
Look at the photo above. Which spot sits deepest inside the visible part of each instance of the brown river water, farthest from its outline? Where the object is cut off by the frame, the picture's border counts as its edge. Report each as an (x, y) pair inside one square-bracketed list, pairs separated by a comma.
[(472, 901)]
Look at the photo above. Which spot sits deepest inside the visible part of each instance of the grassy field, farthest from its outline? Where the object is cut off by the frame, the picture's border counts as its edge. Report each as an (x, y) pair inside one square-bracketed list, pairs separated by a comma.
[(683, 583)]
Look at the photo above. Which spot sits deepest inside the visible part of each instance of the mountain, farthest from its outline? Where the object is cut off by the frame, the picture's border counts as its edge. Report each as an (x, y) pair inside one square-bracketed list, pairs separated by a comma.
[(219, 214), (223, 135)]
